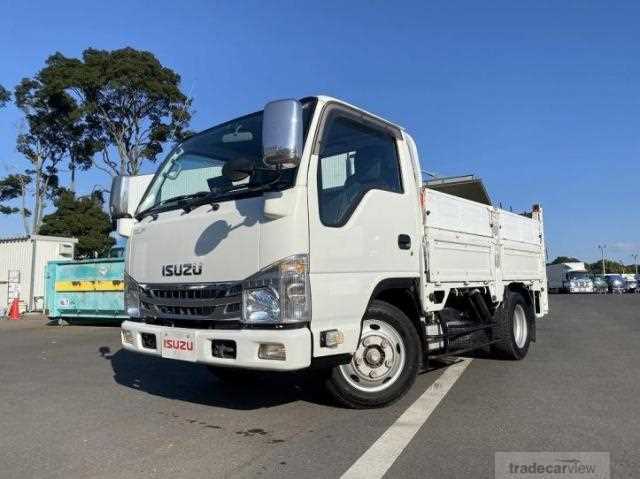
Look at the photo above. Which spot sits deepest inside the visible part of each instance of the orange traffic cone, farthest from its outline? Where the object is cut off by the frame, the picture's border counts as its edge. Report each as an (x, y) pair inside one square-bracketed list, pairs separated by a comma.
[(14, 310)]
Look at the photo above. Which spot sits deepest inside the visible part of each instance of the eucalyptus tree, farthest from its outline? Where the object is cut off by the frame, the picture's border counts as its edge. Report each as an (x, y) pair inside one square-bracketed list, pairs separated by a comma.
[(5, 96), (132, 104)]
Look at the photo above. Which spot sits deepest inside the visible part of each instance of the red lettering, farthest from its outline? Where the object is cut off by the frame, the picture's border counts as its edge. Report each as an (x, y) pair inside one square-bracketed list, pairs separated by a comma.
[(180, 345)]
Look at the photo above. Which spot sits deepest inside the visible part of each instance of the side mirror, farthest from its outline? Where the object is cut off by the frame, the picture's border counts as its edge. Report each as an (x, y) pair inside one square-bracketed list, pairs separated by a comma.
[(119, 198), (126, 193), (282, 134)]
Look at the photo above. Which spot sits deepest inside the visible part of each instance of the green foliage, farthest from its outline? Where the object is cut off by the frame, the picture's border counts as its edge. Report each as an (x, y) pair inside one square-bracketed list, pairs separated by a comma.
[(49, 117), (13, 187), (81, 218), (610, 267), (564, 259), (5, 96), (128, 99), (56, 130)]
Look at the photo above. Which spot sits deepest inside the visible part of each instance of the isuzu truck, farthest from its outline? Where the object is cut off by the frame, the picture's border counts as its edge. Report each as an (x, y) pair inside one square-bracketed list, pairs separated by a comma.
[(569, 278), (302, 236)]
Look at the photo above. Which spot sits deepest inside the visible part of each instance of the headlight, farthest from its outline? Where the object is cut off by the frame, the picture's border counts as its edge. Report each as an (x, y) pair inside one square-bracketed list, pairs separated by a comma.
[(131, 297), (261, 305), (279, 293)]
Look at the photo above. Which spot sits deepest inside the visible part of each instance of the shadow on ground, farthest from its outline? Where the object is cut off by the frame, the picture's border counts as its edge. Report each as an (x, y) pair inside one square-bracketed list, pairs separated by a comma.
[(195, 383)]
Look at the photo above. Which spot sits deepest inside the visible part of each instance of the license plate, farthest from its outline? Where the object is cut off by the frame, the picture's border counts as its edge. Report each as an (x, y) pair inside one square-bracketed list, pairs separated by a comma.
[(179, 345)]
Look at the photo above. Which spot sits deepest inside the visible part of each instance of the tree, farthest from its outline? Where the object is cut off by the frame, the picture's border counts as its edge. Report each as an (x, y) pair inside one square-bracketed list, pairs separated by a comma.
[(610, 266), (130, 102), (12, 187), (5, 96), (55, 130), (565, 259), (81, 218), (47, 118)]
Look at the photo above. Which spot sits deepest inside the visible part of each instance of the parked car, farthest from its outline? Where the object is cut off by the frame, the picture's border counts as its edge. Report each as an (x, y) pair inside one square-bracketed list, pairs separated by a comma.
[(631, 283), (617, 284), (600, 284)]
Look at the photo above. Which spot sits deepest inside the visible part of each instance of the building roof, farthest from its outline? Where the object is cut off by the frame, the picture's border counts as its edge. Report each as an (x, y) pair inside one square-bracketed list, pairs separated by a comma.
[(60, 239)]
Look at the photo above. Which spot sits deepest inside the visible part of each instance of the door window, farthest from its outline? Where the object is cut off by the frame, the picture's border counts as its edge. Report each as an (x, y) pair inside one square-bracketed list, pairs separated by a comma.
[(355, 158)]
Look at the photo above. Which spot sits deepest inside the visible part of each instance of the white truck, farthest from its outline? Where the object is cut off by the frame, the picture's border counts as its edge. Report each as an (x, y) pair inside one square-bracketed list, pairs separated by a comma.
[(569, 278), (301, 236)]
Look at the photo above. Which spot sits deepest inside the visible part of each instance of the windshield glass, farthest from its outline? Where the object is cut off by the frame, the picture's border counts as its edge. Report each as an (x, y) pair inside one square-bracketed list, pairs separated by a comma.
[(195, 166), (578, 275)]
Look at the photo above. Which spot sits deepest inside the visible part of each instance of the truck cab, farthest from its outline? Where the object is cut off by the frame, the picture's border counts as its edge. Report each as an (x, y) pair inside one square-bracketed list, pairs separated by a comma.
[(294, 237), (571, 277)]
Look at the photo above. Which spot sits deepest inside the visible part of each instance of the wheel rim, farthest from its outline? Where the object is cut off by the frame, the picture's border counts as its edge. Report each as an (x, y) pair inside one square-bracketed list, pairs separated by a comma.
[(520, 328), (379, 359)]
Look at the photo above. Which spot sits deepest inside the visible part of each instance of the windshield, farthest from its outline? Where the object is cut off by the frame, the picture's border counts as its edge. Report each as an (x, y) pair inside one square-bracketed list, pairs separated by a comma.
[(195, 166), (578, 275)]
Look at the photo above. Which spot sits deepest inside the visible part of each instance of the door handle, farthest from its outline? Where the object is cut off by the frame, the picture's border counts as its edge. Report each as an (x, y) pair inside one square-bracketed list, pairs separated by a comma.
[(404, 241)]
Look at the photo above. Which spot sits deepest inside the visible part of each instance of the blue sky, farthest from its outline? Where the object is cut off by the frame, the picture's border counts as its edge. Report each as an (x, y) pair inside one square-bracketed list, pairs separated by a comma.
[(540, 99)]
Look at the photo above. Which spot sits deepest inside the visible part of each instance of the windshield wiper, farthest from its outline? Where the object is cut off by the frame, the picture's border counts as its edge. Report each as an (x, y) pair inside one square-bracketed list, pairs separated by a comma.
[(182, 201), (230, 192), (193, 200)]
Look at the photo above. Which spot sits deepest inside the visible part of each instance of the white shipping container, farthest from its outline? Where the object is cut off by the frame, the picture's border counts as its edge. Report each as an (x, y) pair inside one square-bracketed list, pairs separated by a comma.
[(17, 265)]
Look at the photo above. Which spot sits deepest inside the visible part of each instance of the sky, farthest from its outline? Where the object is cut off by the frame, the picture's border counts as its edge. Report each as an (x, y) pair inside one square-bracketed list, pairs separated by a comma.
[(540, 99)]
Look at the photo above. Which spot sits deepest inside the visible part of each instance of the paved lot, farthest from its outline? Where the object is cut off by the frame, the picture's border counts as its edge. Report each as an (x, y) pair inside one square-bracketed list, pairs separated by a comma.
[(73, 404)]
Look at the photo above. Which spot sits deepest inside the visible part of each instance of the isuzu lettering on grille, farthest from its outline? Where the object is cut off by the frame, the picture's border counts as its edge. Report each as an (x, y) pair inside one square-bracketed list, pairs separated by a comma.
[(184, 269)]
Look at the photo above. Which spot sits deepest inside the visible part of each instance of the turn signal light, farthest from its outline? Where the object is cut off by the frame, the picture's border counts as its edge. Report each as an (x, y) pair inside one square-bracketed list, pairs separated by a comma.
[(127, 336), (331, 338), (274, 351)]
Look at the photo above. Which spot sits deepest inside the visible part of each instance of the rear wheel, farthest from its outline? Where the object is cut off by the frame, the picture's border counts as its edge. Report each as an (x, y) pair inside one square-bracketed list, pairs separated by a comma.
[(385, 363), (513, 327)]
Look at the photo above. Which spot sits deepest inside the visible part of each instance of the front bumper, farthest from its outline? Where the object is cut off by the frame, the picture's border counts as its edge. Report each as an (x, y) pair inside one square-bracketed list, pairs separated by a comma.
[(297, 343), (580, 289)]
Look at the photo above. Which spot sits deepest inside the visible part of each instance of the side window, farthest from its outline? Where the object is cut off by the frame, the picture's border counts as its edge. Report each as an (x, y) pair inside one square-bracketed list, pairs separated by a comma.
[(354, 158)]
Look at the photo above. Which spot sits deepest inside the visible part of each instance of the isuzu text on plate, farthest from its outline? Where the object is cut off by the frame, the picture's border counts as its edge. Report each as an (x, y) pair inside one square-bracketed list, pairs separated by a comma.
[(179, 345)]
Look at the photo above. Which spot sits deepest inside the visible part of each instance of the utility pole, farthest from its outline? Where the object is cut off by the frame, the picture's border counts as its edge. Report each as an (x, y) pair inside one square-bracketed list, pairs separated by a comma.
[(635, 262), (603, 248)]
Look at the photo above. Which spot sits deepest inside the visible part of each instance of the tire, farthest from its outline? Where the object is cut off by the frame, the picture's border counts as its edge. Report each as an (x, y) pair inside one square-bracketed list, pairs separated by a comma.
[(389, 348), (513, 329)]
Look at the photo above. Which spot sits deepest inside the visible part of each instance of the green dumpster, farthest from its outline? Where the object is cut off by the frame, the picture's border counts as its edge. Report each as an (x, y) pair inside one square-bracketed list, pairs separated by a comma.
[(85, 291)]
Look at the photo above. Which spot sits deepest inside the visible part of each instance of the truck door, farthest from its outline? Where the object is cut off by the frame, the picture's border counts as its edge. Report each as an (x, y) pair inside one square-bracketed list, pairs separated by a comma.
[(363, 218)]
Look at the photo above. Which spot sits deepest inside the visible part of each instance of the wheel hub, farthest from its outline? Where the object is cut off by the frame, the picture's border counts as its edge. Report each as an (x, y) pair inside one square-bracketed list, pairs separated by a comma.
[(379, 359), (520, 327), (374, 356)]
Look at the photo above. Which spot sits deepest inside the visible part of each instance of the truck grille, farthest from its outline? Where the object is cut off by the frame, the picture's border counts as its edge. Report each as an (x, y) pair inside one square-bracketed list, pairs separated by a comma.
[(213, 301)]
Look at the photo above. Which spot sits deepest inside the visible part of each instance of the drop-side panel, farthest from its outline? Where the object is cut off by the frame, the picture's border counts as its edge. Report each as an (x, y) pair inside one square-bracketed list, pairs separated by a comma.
[(522, 257), (459, 238)]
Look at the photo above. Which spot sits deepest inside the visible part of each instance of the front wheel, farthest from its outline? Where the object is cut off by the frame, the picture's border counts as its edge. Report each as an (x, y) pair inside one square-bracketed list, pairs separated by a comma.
[(385, 363)]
